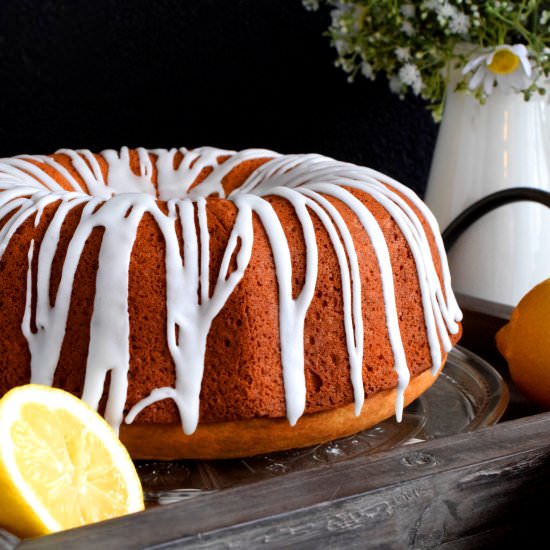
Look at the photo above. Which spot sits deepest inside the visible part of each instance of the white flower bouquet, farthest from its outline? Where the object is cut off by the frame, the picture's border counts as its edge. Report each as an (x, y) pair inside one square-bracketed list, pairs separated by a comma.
[(418, 44)]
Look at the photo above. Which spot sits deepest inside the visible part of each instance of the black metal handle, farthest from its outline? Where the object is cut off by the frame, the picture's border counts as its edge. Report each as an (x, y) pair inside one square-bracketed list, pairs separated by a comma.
[(489, 203)]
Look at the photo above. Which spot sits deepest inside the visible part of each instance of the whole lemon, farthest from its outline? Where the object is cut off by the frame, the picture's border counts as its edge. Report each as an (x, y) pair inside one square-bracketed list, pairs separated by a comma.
[(525, 343)]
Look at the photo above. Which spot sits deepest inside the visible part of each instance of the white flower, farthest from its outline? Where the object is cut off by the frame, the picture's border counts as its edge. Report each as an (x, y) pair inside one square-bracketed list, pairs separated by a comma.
[(340, 17), (408, 29), (366, 70), (432, 4), (396, 85), (447, 13), (446, 10), (506, 66), (410, 75), (311, 5), (342, 47), (402, 54), (408, 10), (442, 8), (459, 23)]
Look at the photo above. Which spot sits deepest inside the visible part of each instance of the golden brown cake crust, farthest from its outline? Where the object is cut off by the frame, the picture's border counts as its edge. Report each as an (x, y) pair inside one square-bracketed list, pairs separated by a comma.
[(264, 435)]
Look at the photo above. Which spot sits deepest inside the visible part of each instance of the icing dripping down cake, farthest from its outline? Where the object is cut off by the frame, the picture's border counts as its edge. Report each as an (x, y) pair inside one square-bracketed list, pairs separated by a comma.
[(214, 303)]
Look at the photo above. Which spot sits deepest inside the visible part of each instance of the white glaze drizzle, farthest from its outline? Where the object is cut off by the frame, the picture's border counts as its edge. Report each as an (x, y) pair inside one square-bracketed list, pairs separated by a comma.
[(310, 183), (185, 312), (121, 177), (51, 320), (292, 312), (89, 170), (380, 247), (351, 287)]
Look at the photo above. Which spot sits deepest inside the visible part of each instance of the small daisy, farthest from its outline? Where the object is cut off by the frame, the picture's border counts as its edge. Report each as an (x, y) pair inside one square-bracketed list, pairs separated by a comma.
[(505, 66)]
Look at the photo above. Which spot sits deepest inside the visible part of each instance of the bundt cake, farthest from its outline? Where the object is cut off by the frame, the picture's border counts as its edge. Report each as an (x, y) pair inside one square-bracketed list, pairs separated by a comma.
[(214, 303)]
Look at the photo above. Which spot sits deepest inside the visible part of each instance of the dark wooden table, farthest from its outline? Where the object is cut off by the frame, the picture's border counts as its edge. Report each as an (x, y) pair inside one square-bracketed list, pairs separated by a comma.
[(473, 490)]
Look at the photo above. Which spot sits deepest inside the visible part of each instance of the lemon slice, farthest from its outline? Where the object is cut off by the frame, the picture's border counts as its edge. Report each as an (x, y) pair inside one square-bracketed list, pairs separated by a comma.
[(61, 464)]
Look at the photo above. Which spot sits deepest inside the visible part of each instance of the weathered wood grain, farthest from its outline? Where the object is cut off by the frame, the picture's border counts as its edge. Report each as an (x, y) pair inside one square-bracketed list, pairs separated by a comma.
[(454, 492), (7, 540), (476, 490)]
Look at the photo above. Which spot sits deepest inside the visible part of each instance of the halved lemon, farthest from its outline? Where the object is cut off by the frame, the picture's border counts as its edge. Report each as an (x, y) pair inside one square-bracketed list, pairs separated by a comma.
[(61, 464)]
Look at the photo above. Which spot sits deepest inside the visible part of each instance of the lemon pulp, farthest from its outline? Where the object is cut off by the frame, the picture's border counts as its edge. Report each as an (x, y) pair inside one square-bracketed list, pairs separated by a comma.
[(61, 465)]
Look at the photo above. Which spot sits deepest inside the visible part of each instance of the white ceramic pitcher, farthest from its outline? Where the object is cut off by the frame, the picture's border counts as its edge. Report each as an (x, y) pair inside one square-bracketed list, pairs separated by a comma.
[(482, 149)]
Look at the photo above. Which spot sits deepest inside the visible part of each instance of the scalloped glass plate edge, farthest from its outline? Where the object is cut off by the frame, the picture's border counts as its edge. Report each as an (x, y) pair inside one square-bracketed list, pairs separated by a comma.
[(498, 394), (468, 394)]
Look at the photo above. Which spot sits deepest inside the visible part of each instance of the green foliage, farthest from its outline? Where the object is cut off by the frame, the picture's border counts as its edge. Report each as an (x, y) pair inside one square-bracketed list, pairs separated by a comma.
[(418, 44)]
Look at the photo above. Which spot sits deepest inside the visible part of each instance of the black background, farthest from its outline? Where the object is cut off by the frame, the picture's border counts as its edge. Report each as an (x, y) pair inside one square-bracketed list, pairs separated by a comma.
[(163, 73)]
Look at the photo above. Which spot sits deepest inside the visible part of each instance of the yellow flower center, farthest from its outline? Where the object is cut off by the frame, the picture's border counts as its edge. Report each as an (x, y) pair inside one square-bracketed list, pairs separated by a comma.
[(504, 62)]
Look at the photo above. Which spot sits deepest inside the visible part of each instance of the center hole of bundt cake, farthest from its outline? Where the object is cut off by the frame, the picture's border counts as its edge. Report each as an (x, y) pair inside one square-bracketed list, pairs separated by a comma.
[(163, 176), (127, 179), (177, 174), (162, 187)]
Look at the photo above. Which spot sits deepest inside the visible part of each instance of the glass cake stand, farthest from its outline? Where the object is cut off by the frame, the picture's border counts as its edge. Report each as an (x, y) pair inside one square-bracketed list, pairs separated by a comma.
[(468, 394)]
